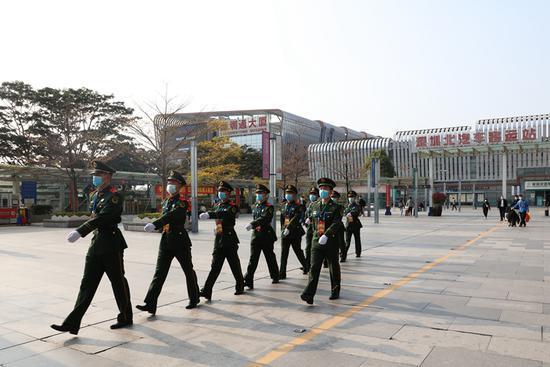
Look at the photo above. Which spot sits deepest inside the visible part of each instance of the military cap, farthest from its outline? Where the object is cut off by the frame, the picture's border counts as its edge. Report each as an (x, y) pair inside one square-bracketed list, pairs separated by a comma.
[(101, 167), (324, 181), (291, 188), (314, 191), (176, 176), (352, 194), (223, 185), (262, 188), (335, 194)]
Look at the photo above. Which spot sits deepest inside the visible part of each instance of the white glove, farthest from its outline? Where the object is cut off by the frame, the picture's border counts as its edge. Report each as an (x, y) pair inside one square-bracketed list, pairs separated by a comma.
[(286, 232), (204, 216), (149, 227), (248, 227), (323, 240), (308, 221), (349, 215), (73, 236)]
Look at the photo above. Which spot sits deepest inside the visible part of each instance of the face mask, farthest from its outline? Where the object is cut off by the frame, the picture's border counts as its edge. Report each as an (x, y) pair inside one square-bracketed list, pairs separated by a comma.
[(324, 194), (259, 197), (351, 200), (97, 180), (222, 195), (312, 197), (289, 197), (171, 189)]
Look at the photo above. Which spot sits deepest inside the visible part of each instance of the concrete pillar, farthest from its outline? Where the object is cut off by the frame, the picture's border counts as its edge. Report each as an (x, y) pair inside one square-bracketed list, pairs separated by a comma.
[(504, 170), (431, 178), (16, 190)]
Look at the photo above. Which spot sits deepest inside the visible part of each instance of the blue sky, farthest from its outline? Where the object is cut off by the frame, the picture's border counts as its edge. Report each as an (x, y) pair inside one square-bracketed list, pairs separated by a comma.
[(377, 66)]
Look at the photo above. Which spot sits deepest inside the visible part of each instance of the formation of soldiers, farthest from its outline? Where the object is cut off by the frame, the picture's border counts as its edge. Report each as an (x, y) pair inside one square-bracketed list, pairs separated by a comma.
[(327, 241)]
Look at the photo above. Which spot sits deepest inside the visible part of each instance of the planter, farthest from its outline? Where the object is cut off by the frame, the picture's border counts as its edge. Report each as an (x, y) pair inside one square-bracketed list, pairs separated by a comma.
[(136, 225), (437, 209), (39, 218), (63, 221)]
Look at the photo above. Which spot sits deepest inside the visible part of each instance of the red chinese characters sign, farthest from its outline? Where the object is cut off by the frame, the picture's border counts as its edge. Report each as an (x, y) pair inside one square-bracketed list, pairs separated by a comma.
[(245, 125), (479, 137)]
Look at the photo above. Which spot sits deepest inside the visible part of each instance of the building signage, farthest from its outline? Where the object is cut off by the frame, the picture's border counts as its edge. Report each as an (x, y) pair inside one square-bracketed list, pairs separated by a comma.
[(461, 139), (265, 155), (537, 185), (246, 125)]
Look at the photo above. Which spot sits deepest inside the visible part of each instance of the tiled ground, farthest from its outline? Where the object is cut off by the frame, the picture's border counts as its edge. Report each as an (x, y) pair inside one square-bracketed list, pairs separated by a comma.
[(488, 305)]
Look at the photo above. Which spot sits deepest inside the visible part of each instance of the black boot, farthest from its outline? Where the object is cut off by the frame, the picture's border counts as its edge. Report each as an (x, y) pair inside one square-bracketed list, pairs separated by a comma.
[(64, 328), (193, 304), (307, 299), (152, 309), (205, 294), (121, 324)]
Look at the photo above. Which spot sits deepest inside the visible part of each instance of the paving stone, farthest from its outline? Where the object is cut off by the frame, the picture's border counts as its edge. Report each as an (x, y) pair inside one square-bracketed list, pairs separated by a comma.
[(460, 357), (444, 338)]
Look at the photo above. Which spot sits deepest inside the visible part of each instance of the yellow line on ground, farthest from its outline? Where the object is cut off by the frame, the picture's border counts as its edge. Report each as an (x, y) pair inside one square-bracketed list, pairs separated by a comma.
[(341, 317)]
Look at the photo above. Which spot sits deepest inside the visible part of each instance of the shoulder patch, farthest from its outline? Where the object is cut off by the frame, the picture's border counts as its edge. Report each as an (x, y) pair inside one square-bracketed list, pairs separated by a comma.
[(113, 189), (115, 199)]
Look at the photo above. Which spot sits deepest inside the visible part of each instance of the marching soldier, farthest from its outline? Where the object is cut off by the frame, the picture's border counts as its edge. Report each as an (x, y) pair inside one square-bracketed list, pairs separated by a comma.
[(174, 243), (292, 230), (105, 254), (313, 196), (263, 237), (353, 225), (226, 242), (335, 196), (326, 218)]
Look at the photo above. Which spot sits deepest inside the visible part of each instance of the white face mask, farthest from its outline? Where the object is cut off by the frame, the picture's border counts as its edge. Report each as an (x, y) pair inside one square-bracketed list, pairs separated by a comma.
[(171, 189), (351, 200)]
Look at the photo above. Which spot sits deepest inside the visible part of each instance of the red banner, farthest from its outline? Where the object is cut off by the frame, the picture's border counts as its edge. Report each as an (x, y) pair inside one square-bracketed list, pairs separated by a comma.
[(8, 213), (265, 154)]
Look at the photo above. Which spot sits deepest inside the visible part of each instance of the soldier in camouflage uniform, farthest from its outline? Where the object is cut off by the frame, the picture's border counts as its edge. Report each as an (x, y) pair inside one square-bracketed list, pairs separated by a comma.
[(226, 242), (174, 243), (353, 225), (105, 254), (326, 218), (263, 237), (292, 230)]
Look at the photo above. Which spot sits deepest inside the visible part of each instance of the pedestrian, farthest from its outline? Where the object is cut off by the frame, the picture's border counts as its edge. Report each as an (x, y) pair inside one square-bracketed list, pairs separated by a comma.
[(486, 207), (453, 204), (523, 208), (313, 197), (105, 254), (410, 206), (292, 230), (174, 243), (502, 204), (326, 218), (263, 237), (362, 204), (401, 206), (353, 225), (226, 242), (513, 214)]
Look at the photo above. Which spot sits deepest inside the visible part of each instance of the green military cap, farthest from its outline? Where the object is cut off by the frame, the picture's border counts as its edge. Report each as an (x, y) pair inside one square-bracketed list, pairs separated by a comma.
[(223, 185), (335, 194), (262, 188), (176, 176), (101, 167), (291, 188), (325, 181), (352, 194), (314, 191)]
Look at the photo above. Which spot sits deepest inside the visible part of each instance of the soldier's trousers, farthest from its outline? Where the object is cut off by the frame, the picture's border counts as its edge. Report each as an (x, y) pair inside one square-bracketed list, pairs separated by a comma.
[(309, 237), (356, 233), (218, 257), (296, 244), (164, 259), (318, 254), (113, 265), (256, 248)]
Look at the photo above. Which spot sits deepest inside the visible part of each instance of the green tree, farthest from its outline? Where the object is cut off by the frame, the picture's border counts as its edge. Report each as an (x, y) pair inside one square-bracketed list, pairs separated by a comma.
[(218, 159), (386, 165), (250, 163), (83, 125), (21, 129)]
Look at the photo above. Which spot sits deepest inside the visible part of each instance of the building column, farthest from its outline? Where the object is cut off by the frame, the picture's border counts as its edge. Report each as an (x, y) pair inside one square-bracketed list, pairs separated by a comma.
[(504, 170), (16, 190), (431, 178)]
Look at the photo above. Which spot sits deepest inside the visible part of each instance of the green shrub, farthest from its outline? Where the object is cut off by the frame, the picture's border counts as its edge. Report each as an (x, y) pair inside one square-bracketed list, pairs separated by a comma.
[(68, 214), (41, 209), (438, 198)]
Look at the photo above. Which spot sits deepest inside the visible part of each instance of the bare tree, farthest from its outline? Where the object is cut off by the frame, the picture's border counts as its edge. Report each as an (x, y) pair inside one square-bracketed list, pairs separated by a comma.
[(163, 134), (341, 169), (294, 166)]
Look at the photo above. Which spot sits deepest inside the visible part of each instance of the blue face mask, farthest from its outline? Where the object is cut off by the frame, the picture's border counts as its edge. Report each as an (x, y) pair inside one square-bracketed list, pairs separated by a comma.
[(222, 195), (324, 194), (312, 197), (289, 197), (97, 181), (259, 197)]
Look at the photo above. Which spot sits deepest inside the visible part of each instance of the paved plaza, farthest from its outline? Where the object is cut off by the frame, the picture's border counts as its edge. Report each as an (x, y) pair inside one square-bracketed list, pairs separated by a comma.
[(457, 290)]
